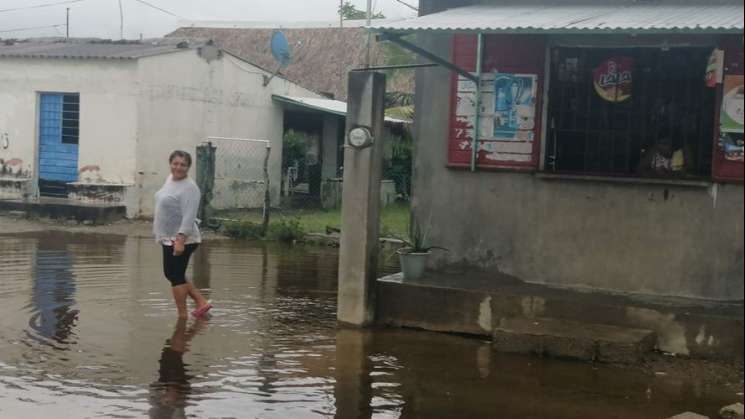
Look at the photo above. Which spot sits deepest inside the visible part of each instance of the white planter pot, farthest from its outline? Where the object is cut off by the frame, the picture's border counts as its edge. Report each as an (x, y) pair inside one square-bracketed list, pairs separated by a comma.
[(412, 264)]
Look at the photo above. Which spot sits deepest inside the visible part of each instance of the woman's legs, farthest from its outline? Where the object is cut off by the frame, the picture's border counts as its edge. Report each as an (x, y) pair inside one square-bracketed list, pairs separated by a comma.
[(180, 292), (179, 297), (195, 295), (174, 268)]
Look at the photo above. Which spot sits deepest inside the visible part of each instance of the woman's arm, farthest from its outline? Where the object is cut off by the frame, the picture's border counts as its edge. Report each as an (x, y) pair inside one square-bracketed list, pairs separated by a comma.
[(179, 245), (189, 208)]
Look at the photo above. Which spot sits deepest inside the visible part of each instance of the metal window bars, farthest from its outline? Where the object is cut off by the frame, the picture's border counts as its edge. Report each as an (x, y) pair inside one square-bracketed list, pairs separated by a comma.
[(669, 105)]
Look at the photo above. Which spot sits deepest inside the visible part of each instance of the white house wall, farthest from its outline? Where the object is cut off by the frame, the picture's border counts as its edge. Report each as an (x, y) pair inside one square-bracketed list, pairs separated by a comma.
[(184, 99), (108, 116)]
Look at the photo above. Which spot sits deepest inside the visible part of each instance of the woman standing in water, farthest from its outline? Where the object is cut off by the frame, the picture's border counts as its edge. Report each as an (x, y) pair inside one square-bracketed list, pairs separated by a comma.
[(176, 230)]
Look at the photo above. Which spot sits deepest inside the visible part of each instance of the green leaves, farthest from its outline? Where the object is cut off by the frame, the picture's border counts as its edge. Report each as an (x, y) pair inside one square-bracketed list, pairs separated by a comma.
[(348, 11), (417, 242), (282, 230)]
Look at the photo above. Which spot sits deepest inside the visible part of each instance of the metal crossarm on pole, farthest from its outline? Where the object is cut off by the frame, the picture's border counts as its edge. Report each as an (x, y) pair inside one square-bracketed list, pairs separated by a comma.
[(396, 39)]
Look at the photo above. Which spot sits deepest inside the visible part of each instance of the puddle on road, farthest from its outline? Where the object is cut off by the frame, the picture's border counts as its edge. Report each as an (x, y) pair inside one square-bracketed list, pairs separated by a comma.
[(88, 329)]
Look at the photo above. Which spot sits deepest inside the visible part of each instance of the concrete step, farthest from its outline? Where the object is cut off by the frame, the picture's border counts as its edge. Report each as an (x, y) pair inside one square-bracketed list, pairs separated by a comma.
[(569, 339), (474, 304)]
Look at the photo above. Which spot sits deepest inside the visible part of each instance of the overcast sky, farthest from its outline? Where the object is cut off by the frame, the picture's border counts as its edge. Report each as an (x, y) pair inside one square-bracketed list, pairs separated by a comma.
[(100, 18)]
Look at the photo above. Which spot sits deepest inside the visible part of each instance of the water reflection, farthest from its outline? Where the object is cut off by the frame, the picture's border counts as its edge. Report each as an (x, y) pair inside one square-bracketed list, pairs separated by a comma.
[(202, 269), (272, 348), (353, 387), (53, 294), (60, 263), (169, 394)]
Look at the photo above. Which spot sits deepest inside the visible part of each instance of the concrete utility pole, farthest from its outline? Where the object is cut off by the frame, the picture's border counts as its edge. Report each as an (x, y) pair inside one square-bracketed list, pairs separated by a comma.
[(121, 20), (67, 25), (341, 16), (360, 213), (369, 35)]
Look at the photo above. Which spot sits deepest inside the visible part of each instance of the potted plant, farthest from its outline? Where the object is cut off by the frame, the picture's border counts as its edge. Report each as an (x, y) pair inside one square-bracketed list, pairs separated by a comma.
[(413, 255)]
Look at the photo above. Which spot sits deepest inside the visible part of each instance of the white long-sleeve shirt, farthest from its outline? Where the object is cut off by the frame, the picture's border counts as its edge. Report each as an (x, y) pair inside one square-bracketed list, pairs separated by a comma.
[(176, 207)]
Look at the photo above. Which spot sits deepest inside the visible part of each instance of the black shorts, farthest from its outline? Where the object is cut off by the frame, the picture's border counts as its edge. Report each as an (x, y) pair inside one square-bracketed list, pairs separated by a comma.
[(174, 267)]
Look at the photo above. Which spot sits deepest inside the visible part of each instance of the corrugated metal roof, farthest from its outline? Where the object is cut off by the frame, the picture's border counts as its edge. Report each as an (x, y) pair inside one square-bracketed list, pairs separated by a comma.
[(88, 49), (331, 106), (582, 16)]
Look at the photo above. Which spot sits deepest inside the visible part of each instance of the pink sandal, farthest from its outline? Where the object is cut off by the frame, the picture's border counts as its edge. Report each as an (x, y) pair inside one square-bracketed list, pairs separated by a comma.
[(201, 311)]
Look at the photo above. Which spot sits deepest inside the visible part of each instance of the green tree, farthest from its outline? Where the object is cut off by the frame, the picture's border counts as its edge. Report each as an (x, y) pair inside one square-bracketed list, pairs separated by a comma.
[(348, 11), (293, 148)]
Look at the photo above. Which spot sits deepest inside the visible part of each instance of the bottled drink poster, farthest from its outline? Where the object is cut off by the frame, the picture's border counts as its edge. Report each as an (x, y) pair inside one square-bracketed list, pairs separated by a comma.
[(514, 106), (507, 108)]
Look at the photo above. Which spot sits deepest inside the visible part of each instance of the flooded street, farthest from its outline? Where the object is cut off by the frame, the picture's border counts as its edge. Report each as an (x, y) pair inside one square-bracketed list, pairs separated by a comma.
[(88, 330)]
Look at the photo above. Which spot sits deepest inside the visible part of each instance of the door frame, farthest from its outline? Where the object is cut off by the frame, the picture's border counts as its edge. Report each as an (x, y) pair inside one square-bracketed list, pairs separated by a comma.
[(37, 135)]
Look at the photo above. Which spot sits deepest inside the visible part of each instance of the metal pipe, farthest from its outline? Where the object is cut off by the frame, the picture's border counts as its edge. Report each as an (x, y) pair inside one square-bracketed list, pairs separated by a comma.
[(267, 193), (396, 39), (267, 142), (394, 67), (477, 119), (121, 20)]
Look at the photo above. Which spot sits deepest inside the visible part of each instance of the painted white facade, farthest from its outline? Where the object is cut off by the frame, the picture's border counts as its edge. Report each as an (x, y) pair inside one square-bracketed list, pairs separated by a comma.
[(133, 113), (108, 124)]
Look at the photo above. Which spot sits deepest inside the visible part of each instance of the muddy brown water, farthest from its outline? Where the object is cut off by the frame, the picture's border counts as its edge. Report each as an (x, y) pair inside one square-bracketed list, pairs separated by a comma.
[(88, 330)]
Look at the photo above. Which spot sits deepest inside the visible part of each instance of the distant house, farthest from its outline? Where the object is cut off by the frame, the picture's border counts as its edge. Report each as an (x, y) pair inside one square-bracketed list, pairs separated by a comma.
[(314, 178), (321, 57), (102, 117)]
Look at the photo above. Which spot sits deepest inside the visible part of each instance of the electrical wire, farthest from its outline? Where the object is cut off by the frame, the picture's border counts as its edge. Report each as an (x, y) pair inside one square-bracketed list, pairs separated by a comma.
[(31, 28), (39, 6), (416, 9), (237, 63), (160, 9)]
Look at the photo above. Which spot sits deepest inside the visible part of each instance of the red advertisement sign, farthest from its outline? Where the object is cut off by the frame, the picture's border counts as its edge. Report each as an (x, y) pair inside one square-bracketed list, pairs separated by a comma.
[(613, 79)]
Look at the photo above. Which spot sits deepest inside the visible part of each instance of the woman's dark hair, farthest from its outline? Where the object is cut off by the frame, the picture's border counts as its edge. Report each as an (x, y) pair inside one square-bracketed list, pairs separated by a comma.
[(183, 154)]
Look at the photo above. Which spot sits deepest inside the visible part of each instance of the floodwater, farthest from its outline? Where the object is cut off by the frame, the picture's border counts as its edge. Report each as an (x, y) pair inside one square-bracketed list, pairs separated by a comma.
[(88, 330)]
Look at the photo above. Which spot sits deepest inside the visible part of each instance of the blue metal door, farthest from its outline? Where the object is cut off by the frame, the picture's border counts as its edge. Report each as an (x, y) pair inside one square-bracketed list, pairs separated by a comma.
[(58, 142)]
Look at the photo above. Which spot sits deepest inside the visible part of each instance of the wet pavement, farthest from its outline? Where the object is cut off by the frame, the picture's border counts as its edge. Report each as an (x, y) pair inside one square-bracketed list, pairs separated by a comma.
[(88, 330)]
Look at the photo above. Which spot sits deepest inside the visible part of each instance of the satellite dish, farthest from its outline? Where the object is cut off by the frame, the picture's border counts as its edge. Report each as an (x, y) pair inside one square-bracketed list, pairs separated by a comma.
[(281, 49)]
